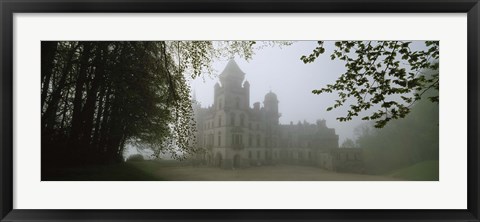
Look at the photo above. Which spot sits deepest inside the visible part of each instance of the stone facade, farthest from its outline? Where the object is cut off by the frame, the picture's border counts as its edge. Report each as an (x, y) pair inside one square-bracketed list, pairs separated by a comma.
[(235, 135)]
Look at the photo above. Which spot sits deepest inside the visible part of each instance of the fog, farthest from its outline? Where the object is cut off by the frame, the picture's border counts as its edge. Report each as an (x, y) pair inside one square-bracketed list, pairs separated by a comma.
[(106, 112)]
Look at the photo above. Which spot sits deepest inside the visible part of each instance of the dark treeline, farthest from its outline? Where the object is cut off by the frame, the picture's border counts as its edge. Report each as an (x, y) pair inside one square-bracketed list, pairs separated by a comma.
[(97, 96)]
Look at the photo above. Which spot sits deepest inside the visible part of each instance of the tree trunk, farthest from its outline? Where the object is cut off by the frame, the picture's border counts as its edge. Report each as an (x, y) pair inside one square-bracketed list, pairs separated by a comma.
[(89, 108), (49, 116), (49, 49), (98, 118), (79, 91)]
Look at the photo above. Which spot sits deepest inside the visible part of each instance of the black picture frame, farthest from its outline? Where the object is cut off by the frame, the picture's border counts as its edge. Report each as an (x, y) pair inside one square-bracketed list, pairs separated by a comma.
[(9, 7)]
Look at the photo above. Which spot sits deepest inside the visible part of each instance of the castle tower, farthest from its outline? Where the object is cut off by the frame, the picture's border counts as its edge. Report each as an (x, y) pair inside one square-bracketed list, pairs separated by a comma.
[(271, 108), (231, 113), (232, 76), (271, 124), (232, 93)]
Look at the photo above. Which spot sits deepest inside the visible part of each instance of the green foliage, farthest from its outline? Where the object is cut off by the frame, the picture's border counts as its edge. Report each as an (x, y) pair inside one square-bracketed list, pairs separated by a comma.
[(103, 95), (96, 97), (377, 72)]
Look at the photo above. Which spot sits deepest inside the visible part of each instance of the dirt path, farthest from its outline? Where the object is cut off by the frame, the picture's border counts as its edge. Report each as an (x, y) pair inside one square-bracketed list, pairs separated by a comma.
[(262, 173)]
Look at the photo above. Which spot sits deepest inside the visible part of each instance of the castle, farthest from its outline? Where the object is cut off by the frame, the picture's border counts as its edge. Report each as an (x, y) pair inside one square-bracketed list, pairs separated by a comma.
[(235, 135)]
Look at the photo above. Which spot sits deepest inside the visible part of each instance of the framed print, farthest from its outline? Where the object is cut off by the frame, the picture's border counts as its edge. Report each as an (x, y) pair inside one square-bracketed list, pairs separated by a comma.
[(268, 110)]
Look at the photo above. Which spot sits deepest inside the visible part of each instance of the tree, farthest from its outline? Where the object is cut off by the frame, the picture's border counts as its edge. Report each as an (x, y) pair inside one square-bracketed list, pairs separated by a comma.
[(384, 76), (99, 96)]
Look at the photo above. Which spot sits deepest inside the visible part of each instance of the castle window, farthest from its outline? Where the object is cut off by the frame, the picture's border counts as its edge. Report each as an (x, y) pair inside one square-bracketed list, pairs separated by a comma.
[(258, 140), (242, 120), (210, 139), (219, 103), (219, 139), (237, 102), (237, 139), (219, 121), (250, 140), (249, 154), (232, 120)]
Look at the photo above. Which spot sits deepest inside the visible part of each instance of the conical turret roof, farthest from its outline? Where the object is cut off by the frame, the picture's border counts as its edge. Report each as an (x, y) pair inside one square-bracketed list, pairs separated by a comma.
[(232, 70)]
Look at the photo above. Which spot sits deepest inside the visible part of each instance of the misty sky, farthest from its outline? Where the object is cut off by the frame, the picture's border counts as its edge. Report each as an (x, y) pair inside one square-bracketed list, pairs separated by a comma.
[(280, 70)]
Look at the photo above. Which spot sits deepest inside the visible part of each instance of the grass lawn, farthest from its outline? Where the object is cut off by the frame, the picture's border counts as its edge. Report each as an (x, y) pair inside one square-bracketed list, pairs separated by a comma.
[(179, 171), (423, 171), (262, 173)]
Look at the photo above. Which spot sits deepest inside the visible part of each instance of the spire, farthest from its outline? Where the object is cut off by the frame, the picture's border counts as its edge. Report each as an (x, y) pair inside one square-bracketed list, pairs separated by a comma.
[(232, 70)]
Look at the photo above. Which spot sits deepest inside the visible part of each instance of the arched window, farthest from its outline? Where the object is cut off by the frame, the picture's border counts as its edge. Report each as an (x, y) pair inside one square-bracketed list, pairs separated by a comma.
[(219, 121)]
